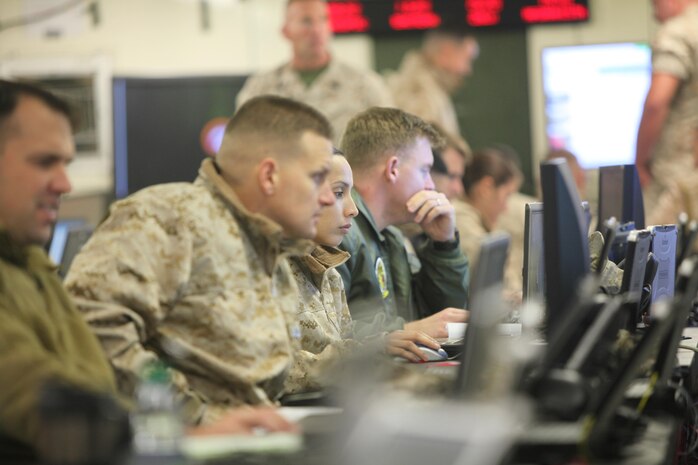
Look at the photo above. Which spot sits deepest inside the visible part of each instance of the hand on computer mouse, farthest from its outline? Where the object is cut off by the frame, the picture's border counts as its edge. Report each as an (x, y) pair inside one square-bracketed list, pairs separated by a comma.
[(406, 344), (433, 355)]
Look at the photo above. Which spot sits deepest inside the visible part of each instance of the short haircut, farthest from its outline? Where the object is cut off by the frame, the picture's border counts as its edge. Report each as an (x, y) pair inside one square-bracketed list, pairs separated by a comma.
[(277, 118), (12, 91), (376, 133), (447, 31), (453, 141), (494, 162)]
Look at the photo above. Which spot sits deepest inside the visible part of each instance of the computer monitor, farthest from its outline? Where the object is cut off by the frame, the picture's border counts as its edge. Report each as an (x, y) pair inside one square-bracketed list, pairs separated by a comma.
[(68, 238), (586, 208), (593, 99), (533, 261), (486, 310), (620, 195), (664, 249), (489, 271), (566, 246), (686, 290), (637, 252)]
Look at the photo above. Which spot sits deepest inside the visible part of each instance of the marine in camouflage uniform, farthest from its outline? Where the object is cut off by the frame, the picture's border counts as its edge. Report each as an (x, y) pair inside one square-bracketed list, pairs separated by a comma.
[(338, 92), (326, 330), (184, 273), (425, 91), (675, 53)]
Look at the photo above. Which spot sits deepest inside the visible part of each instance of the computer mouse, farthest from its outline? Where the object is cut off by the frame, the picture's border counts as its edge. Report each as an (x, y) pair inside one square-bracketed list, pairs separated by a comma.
[(433, 355)]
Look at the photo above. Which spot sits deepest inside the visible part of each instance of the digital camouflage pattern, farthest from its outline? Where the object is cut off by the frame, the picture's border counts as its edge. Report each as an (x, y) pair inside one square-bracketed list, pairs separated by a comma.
[(421, 89), (339, 92), (675, 52), (323, 316), (184, 273)]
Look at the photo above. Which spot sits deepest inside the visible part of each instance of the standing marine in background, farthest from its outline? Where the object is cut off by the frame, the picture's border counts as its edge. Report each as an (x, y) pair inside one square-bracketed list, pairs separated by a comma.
[(313, 76)]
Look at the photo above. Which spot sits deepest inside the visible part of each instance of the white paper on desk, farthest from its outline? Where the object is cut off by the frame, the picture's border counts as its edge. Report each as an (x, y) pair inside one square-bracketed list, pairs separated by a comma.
[(456, 330), (296, 414), (223, 445)]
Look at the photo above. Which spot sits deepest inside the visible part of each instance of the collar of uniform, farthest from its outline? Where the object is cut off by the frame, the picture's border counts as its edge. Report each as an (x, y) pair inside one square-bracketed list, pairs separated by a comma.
[(416, 63), (22, 256), (365, 214), (265, 235), (290, 74), (322, 259)]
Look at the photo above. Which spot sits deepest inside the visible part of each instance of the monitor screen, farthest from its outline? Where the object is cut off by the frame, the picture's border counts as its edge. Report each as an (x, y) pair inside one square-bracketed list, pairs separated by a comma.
[(533, 266), (565, 241), (664, 249), (594, 95), (59, 237), (638, 248), (620, 195)]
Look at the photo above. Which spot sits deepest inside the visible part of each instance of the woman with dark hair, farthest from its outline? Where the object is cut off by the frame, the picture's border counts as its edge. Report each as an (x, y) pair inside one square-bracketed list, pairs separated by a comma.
[(491, 177)]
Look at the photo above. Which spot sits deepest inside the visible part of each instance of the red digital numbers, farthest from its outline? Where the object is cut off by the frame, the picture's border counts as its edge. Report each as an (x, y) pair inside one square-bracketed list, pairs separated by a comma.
[(348, 16), (548, 11), (483, 12), (413, 14), (383, 16)]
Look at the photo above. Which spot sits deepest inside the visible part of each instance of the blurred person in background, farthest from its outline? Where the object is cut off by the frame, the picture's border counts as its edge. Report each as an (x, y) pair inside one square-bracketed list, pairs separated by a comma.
[(666, 134), (313, 75), (491, 177), (428, 77)]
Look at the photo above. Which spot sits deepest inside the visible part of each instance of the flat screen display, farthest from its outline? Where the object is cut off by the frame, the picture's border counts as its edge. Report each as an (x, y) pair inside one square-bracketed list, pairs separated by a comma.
[(594, 95)]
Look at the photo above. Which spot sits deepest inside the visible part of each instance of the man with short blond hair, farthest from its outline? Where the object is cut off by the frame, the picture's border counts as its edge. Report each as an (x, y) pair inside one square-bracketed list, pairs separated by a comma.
[(313, 75), (390, 152), (195, 274)]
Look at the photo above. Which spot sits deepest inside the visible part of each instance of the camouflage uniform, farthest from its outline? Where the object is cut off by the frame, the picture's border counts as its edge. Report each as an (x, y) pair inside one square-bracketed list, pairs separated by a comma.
[(512, 221), (473, 232), (675, 52), (681, 196), (421, 89), (184, 273), (339, 92), (42, 337), (323, 316)]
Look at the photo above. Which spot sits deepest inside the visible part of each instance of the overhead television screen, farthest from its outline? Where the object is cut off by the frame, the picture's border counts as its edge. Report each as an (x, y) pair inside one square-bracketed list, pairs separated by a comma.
[(387, 16), (594, 96)]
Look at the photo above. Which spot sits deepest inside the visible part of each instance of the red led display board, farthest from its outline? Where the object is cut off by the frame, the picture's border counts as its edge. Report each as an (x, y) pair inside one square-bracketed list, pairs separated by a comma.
[(384, 16)]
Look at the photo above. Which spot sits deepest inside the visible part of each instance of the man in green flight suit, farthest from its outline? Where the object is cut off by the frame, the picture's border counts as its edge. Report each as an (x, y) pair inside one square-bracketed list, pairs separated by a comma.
[(388, 289)]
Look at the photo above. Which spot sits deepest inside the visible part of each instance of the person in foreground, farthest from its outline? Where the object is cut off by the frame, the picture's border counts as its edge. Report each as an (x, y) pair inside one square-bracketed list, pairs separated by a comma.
[(323, 314), (390, 152), (43, 338), (195, 274)]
